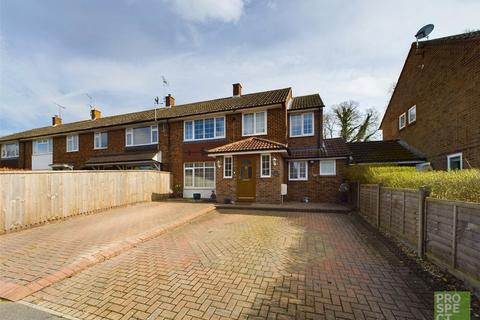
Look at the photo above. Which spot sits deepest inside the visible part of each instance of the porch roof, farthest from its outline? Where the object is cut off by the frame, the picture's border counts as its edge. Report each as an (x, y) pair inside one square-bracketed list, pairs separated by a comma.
[(144, 157), (252, 144), (331, 148)]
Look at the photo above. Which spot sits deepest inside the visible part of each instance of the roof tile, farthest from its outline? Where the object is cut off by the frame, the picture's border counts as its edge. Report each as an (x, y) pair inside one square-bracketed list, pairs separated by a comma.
[(250, 144)]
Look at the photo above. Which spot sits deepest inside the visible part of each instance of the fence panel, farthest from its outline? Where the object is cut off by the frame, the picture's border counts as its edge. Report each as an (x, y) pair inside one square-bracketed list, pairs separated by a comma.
[(31, 197), (368, 202)]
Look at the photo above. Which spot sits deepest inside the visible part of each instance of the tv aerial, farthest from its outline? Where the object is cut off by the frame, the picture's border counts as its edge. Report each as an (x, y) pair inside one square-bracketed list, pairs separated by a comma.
[(91, 101), (424, 32), (60, 108)]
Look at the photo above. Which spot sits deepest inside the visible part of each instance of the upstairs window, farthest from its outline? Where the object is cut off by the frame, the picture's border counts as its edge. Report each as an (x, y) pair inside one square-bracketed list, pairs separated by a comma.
[(204, 129), (301, 124), (141, 136), (401, 121), (298, 171), (412, 114), (72, 143), (42, 146), (9, 150), (101, 140), (254, 123), (266, 166), (454, 161)]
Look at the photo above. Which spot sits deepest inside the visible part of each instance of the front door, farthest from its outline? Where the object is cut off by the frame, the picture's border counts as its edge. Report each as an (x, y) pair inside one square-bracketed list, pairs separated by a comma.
[(246, 179)]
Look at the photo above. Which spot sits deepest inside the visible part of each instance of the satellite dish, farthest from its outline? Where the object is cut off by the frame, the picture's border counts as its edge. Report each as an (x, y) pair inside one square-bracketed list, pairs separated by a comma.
[(424, 31)]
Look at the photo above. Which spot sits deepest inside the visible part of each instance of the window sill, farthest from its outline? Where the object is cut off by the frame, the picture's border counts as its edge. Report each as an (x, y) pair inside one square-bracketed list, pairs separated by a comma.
[(100, 148), (204, 140), (10, 158), (297, 179), (199, 188), (266, 176), (72, 151), (327, 175), (41, 154), (302, 136), (254, 134)]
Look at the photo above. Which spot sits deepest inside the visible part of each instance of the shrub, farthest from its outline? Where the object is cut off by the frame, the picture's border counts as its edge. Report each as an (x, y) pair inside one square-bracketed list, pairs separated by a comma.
[(462, 185)]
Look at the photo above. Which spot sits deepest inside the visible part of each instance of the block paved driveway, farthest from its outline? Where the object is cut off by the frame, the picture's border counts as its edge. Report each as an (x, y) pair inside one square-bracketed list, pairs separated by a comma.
[(35, 258), (248, 265)]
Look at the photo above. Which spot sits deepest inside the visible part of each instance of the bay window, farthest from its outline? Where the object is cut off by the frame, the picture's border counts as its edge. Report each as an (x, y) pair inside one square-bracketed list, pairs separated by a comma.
[(254, 123), (141, 136), (199, 175), (72, 143), (101, 140), (298, 170), (42, 146), (265, 162), (204, 129), (9, 150), (301, 124)]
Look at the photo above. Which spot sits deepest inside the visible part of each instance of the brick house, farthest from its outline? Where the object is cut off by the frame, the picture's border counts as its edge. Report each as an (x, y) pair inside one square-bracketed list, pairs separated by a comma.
[(246, 147), (435, 107)]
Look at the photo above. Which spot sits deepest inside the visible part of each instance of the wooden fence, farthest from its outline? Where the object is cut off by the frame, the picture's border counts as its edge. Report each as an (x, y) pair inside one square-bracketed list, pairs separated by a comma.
[(29, 198), (445, 232)]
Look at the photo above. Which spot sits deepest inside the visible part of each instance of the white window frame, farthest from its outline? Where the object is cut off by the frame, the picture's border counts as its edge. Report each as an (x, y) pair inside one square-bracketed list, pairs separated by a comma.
[(231, 167), (459, 154), (49, 142), (404, 116), (328, 173), (4, 150), (298, 179), (269, 165), (130, 131), (255, 133), (75, 142), (193, 187), (99, 135), (409, 118), (302, 134), (214, 129)]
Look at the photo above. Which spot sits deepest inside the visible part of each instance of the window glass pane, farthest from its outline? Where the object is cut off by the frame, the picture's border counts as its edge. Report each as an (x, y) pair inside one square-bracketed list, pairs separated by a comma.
[(209, 128), (302, 170), (10, 150), (260, 122), (199, 181), (154, 130), (220, 127), (228, 167), (188, 130), (327, 167), (248, 123), (141, 135), (293, 170), (265, 165), (188, 178), (209, 177), (412, 114), (104, 140), (296, 124), (198, 129), (307, 123), (455, 163)]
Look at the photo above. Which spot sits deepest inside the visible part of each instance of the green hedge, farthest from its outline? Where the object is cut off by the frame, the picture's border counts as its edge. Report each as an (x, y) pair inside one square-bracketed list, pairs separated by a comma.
[(462, 185)]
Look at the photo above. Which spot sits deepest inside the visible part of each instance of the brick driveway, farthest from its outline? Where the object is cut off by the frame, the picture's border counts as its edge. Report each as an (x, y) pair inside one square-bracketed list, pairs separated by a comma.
[(35, 258), (240, 265)]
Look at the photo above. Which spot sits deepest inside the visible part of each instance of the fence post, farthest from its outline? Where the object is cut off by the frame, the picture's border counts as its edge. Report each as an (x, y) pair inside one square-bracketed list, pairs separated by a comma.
[(423, 193), (454, 237), (378, 205)]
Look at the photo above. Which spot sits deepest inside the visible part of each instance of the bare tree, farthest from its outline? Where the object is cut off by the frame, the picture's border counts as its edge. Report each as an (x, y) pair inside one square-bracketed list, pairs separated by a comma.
[(350, 123)]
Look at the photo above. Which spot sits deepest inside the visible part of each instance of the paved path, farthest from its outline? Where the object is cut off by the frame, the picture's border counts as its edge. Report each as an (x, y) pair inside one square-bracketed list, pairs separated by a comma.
[(239, 265), (33, 259)]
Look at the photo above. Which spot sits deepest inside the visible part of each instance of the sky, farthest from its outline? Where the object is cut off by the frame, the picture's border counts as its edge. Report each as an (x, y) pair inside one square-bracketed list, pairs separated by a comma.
[(116, 51)]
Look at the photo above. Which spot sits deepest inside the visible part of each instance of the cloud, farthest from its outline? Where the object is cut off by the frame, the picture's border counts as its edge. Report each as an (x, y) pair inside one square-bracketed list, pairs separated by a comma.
[(204, 10)]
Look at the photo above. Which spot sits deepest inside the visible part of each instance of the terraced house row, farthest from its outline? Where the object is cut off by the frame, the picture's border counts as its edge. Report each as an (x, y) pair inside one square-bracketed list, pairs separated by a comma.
[(252, 147)]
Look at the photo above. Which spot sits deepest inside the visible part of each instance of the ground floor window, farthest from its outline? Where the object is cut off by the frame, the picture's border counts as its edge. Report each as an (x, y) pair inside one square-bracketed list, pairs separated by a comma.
[(199, 174), (327, 168), (298, 170), (265, 160), (455, 161), (227, 167)]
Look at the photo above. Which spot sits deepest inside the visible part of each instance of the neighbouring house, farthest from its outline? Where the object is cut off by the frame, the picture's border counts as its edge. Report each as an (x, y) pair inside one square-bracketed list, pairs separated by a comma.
[(250, 147), (435, 106), (395, 152)]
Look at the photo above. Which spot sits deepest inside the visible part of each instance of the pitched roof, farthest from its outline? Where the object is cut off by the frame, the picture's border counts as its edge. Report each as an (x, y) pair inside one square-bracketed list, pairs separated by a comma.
[(306, 102), (332, 148), (383, 151), (119, 158), (249, 144), (461, 36), (203, 107)]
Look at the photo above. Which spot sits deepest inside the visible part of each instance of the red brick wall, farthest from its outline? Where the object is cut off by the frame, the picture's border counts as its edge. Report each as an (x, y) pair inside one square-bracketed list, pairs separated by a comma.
[(317, 188), (443, 82)]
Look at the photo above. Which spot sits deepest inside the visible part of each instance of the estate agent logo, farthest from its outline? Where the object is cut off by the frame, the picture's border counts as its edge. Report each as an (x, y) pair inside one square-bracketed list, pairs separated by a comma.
[(452, 305)]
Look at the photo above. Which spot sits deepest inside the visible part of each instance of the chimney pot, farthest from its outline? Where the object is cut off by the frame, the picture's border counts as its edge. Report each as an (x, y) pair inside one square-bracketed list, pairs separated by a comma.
[(95, 114), (56, 120), (237, 89), (169, 101)]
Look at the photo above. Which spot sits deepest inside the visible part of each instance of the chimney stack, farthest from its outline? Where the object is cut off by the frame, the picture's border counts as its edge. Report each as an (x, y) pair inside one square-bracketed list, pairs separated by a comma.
[(237, 89), (56, 120), (95, 114), (169, 101)]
